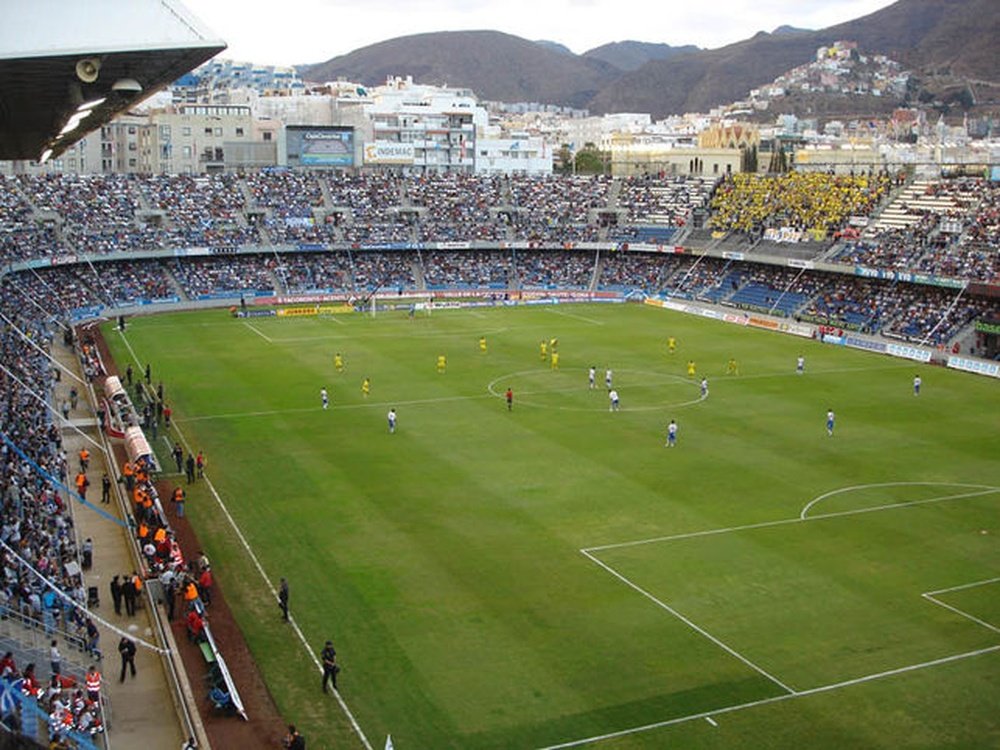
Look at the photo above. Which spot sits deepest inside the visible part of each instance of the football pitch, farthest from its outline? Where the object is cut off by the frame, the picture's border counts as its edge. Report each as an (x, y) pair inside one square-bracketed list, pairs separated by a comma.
[(553, 575)]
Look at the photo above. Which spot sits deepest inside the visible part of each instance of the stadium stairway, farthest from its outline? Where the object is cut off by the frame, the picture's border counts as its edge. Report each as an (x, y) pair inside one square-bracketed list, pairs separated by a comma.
[(175, 285)]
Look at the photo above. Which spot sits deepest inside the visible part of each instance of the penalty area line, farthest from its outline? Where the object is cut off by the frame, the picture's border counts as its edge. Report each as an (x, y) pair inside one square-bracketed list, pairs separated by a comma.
[(260, 333), (774, 699), (690, 623), (575, 317)]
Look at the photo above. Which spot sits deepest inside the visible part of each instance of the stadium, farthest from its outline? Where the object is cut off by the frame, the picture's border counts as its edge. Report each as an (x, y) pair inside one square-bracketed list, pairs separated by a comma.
[(424, 419)]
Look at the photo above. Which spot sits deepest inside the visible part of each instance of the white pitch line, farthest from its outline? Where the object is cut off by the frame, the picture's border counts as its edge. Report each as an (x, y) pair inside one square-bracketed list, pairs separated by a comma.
[(987, 490), (773, 699), (879, 485), (701, 631), (333, 408), (972, 585), (260, 333), (575, 317), (962, 613), (711, 721), (260, 569)]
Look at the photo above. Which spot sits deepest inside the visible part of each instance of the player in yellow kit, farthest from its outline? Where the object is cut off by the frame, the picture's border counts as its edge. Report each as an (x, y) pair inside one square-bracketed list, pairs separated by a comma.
[(671, 344), (338, 362), (555, 360), (691, 368), (366, 387), (732, 368), (442, 363), (482, 344), (543, 349)]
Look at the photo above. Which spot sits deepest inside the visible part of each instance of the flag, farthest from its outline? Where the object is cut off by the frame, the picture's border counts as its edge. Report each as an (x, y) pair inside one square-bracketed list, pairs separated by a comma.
[(388, 742)]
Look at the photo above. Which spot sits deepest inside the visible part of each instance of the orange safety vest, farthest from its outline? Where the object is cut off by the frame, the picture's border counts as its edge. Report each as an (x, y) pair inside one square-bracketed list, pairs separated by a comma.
[(137, 581), (81, 481), (84, 454), (143, 530), (160, 535), (190, 593)]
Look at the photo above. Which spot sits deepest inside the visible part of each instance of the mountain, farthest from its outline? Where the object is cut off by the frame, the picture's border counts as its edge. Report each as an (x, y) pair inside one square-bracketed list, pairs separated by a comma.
[(496, 66), (554, 46), (786, 29), (950, 44), (934, 37), (633, 55)]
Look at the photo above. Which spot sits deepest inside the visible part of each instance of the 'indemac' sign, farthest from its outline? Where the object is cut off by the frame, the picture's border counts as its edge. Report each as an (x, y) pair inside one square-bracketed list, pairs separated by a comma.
[(388, 152)]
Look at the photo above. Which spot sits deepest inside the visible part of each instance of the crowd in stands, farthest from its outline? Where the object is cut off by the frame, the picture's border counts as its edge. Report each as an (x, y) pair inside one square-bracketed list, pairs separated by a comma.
[(304, 272), (60, 215), (466, 268), (201, 276), (663, 200), (458, 207), (554, 269), (802, 201), (962, 242), (41, 557), (911, 312)]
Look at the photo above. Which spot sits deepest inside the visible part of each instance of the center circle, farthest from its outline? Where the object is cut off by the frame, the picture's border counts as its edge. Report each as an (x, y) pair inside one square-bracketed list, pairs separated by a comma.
[(530, 389)]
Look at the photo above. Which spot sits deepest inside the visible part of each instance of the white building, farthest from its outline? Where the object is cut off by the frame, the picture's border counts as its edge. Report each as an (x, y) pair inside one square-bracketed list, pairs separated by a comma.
[(418, 128), (518, 154)]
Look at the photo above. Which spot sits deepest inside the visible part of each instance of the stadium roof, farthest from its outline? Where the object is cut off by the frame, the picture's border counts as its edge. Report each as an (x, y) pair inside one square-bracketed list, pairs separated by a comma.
[(66, 68)]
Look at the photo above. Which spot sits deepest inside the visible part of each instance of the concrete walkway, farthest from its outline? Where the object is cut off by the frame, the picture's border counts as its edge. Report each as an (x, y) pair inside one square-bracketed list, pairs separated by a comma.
[(143, 713)]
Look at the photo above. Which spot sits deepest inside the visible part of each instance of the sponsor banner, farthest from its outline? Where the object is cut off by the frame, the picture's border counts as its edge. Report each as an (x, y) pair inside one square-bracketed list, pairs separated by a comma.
[(796, 263), (389, 152), (570, 294), (909, 352), (829, 338), (255, 313), (297, 312), (740, 320), (732, 256), (909, 278), (796, 329), (783, 234), (306, 298), (453, 245), (334, 309), (756, 322), (645, 247), (83, 313), (987, 326), (64, 260), (867, 344), (978, 366)]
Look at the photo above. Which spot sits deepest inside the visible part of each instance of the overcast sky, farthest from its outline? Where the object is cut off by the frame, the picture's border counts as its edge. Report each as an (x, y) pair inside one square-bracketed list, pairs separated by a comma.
[(286, 32)]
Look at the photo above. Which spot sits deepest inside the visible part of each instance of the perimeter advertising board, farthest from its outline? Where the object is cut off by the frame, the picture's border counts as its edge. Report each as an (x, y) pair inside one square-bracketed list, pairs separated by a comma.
[(320, 146)]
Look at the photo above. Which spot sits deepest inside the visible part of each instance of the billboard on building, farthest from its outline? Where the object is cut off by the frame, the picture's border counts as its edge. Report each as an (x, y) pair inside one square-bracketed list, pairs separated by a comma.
[(320, 146), (389, 152)]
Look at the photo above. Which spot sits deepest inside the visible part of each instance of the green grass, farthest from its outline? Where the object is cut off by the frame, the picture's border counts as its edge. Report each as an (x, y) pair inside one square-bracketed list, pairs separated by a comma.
[(445, 561)]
